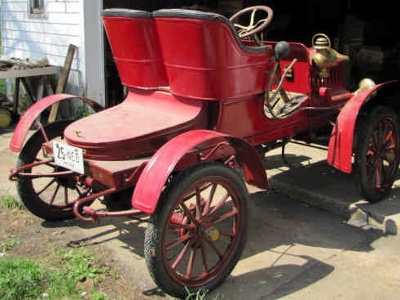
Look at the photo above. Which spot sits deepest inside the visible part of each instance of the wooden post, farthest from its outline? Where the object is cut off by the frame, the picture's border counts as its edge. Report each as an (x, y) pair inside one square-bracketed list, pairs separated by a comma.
[(62, 82)]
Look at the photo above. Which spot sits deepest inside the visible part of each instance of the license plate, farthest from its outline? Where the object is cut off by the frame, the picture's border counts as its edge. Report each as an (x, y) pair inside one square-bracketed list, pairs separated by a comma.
[(69, 157)]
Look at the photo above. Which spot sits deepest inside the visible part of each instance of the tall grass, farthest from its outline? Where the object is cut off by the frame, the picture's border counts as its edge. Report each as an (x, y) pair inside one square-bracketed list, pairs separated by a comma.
[(9, 203)]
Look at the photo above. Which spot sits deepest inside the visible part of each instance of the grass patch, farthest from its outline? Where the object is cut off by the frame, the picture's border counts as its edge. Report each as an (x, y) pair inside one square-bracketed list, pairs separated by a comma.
[(21, 279), (72, 274), (10, 203), (7, 243), (81, 265), (201, 294)]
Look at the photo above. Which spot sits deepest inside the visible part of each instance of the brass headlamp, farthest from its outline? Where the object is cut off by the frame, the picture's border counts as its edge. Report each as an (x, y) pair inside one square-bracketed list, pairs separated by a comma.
[(326, 57), (365, 84)]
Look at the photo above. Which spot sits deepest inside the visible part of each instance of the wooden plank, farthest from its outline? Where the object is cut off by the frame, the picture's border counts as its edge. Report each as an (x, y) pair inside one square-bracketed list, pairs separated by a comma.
[(62, 80), (14, 73)]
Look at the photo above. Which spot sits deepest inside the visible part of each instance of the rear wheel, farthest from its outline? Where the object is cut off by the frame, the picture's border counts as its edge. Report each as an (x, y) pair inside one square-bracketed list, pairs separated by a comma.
[(48, 197), (377, 153), (197, 234)]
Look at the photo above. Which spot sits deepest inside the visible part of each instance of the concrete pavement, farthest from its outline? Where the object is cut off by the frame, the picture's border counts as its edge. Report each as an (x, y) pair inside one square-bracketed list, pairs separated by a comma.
[(306, 177), (300, 244), (310, 179)]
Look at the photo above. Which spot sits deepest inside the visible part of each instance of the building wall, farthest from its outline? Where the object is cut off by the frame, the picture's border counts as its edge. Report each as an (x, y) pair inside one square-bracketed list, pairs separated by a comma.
[(64, 23)]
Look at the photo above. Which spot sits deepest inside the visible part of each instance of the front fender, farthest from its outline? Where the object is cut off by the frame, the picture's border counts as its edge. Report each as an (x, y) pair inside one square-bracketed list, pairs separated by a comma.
[(340, 149), (154, 176), (35, 110)]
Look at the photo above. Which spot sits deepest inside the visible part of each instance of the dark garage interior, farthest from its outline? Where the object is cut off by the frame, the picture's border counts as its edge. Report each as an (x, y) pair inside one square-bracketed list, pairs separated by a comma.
[(365, 31)]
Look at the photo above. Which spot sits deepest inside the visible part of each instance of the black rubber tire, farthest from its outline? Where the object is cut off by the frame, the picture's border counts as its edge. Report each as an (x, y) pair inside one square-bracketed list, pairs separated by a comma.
[(30, 190), (376, 156), (227, 235)]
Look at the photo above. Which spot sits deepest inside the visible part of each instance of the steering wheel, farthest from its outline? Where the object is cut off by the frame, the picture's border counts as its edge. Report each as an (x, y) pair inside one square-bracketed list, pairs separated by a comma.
[(254, 26)]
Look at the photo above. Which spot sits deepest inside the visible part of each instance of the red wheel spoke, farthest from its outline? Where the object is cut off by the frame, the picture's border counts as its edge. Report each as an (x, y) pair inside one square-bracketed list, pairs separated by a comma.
[(80, 193), (192, 259), (378, 176), (391, 147), (204, 259), (198, 203), (46, 186), (53, 197), (220, 203), (178, 241), (225, 216), (370, 150), (375, 141), (228, 234), (214, 247), (188, 213), (389, 135), (66, 196), (180, 256), (210, 199), (390, 142), (190, 194), (181, 226)]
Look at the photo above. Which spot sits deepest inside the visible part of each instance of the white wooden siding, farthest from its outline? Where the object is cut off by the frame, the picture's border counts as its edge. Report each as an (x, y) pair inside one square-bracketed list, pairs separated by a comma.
[(26, 37), (93, 48), (64, 24)]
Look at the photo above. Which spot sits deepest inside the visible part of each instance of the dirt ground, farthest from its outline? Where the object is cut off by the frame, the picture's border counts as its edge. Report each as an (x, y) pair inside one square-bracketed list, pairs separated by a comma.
[(37, 239), (296, 249)]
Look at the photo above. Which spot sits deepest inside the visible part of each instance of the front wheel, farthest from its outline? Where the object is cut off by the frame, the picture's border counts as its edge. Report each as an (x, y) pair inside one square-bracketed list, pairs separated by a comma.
[(197, 234), (377, 153)]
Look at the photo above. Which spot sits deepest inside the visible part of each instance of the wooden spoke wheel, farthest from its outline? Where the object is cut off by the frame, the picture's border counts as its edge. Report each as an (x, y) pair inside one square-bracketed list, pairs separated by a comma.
[(197, 234), (46, 196), (377, 153)]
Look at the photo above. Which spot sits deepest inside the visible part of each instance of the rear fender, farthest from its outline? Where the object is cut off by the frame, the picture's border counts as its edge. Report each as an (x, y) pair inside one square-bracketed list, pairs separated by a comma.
[(35, 110), (340, 149), (154, 176)]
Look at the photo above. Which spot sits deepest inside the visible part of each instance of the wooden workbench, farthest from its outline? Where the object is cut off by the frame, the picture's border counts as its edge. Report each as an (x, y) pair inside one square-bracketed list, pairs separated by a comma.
[(21, 75)]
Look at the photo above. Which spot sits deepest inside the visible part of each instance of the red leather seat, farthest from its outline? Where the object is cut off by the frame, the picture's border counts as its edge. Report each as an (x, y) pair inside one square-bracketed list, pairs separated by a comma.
[(133, 40), (204, 57)]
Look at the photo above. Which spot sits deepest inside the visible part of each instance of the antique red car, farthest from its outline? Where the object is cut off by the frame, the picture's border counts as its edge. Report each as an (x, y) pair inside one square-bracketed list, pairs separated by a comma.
[(207, 98)]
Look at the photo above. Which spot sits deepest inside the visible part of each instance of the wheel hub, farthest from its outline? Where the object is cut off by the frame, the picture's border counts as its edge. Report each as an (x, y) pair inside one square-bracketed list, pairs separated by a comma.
[(211, 234)]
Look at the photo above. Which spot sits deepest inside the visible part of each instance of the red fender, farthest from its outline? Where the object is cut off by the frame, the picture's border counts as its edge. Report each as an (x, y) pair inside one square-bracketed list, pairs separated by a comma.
[(152, 180), (340, 149), (35, 110)]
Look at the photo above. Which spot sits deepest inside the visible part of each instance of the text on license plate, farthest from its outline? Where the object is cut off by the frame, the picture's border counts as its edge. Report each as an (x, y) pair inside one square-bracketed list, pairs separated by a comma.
[(69, 157)]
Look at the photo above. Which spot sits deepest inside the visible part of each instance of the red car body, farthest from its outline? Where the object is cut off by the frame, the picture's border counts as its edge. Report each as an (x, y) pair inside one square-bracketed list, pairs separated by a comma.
[(196, 93)]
